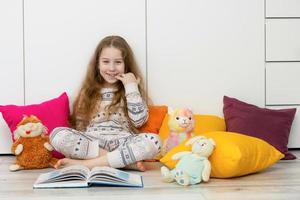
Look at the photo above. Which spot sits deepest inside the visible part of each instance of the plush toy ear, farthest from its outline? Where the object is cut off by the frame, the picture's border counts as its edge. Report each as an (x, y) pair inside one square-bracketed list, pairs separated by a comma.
[(189, 109), (170, 110), (193, 140)]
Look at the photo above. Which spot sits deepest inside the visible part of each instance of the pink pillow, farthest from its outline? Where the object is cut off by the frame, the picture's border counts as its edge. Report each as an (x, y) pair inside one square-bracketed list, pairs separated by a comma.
[(53, 113), (272, 126)]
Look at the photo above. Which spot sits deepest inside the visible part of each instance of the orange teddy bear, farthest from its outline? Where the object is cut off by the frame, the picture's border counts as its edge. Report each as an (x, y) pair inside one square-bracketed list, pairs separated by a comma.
[(32, 147)]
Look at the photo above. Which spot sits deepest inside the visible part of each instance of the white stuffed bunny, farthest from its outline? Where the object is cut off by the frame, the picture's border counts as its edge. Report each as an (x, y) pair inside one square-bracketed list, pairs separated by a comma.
[(193, 166)]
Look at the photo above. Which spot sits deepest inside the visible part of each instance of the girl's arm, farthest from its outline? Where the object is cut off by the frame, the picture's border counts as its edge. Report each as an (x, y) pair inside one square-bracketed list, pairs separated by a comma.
[(137, 108)]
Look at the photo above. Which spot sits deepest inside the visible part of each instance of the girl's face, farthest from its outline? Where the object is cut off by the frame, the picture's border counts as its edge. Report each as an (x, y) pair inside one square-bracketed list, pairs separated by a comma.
[(111, 64)]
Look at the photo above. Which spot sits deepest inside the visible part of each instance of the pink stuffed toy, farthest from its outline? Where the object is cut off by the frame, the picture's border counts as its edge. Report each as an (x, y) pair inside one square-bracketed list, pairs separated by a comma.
[(181, 124)]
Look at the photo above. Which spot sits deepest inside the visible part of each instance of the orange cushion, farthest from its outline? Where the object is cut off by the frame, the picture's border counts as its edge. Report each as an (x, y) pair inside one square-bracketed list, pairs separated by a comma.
[(156, 117)]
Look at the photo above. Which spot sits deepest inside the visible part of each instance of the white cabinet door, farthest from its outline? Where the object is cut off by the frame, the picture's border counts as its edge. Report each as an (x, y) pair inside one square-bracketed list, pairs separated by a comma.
[(283, 83), (200, 50), (61, 36), (11, 63), (282, 8), (282, 40)]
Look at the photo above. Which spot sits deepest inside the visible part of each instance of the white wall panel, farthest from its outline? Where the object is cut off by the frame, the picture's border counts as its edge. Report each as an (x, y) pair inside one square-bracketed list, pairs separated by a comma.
[(61, 37), (200, 50), (11, 63)]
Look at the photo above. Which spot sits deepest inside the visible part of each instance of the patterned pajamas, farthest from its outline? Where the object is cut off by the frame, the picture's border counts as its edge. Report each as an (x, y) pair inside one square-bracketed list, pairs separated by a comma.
[(122, 151), (110, 131)]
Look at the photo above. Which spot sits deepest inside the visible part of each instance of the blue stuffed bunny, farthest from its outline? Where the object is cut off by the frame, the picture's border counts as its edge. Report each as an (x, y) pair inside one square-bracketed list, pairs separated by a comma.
[(193, 166)]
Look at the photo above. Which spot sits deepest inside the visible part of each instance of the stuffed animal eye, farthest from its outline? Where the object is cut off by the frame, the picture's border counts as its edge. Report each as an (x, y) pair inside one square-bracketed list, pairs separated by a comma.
[(177, 118), (190, 118)]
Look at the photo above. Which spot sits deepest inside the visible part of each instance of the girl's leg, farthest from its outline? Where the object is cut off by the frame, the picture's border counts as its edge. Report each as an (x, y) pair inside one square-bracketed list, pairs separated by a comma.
[(136, 148), (132, 150), (99, 161), (109, 141), (74, 144), (112, 141)]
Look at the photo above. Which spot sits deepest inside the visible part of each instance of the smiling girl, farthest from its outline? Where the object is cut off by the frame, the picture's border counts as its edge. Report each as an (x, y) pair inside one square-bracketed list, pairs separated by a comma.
[(109, 108)]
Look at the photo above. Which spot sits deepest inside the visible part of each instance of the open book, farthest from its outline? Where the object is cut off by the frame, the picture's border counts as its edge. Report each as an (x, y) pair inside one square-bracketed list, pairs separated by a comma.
[(81, 176)]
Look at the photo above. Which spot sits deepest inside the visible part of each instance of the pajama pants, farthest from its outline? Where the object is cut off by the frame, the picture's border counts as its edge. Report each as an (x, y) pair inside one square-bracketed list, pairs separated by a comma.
[(123, 148)]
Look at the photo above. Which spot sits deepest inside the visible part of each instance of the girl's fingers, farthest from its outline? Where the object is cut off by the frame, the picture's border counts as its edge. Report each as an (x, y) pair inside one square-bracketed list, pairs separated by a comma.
[(61, 163), (58, 164), (128, 78), (119, 77)]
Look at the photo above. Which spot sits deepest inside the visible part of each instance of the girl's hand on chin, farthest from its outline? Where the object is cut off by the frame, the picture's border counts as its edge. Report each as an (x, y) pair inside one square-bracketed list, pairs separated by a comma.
[(128, 78)]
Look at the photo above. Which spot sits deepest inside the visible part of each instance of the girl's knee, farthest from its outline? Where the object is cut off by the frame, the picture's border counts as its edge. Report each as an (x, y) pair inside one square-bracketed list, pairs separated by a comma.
[(58, 129), (154, 139)]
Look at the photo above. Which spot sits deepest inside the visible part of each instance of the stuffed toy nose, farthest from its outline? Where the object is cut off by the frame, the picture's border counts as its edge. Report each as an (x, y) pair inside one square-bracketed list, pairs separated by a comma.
[(28, 132)]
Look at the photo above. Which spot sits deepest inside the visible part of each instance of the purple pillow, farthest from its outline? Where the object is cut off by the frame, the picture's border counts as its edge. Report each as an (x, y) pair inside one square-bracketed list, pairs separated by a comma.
[(272, 126)]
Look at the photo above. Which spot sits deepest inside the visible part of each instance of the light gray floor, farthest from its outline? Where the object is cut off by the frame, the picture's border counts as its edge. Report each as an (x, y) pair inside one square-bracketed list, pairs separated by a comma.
[(281, 181)]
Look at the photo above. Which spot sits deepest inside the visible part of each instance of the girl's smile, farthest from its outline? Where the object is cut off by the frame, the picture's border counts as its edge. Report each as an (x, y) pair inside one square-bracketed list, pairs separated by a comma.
[(111, 64)]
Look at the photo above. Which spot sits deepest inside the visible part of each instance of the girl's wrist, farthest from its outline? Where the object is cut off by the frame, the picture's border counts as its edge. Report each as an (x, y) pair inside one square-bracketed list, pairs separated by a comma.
[(131, 88)]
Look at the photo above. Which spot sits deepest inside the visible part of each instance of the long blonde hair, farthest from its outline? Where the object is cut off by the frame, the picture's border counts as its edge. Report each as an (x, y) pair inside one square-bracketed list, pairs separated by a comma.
[(89, 95)]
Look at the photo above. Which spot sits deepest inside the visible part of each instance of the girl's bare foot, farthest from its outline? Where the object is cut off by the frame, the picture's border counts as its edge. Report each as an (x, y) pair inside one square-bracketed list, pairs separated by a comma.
[(139, 166), (67, 162), (99, 161)]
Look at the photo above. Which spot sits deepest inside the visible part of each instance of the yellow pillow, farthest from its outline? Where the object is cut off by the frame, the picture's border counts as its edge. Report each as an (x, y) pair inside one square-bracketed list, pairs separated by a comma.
[(203, 124), (235, 154)]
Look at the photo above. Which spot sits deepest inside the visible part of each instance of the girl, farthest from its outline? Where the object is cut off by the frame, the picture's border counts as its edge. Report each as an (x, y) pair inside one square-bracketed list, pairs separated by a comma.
[(107, 112)]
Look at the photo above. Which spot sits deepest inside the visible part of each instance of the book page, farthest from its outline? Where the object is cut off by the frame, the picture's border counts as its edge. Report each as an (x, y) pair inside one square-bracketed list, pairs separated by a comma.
[(111, 176), (72, 173)]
